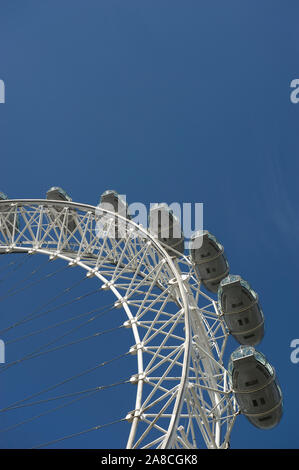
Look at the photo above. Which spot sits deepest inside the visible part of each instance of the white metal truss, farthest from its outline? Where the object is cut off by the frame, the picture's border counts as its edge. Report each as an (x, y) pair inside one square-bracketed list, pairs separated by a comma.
[(183, 397)]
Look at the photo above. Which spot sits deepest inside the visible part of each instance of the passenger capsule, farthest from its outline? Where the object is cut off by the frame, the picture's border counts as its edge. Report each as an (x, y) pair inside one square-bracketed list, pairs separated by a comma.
[(242, 313), (167, 228), (58, 194), (113, 202), (254, 383), (209, 259)]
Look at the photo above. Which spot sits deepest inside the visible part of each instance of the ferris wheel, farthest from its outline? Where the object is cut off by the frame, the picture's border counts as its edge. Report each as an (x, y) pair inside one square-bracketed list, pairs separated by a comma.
[(183, 393)]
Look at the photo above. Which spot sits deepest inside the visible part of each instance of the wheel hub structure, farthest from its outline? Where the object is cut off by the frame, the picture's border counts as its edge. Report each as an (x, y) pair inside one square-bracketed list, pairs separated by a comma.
[(182, 394)]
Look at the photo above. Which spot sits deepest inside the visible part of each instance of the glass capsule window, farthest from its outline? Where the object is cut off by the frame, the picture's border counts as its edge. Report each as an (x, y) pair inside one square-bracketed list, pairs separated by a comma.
[(198, 234), (214, 239), (239, 353), (109, 191), (243, 351), (61, 191), (161, 205), (260, 357), (229, 279), (247, 286), (269, 368), (112, 192), (120, 198), (3, 196)]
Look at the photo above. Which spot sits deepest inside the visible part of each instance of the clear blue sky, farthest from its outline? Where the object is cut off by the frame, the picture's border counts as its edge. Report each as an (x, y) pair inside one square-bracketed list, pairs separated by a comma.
[(169, 101)]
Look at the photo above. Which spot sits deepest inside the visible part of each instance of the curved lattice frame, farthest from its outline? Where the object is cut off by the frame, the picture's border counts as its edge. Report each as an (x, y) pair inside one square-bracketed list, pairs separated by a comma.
[(183, 397)]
